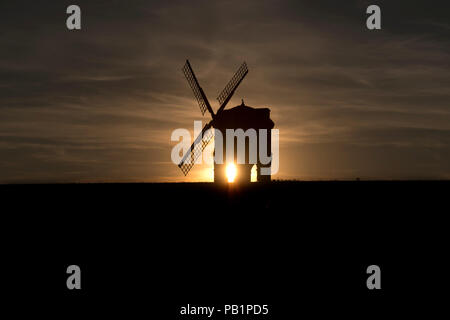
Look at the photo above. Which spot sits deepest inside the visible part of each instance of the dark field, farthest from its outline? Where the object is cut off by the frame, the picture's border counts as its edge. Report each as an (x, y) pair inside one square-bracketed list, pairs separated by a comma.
[(297, 246)]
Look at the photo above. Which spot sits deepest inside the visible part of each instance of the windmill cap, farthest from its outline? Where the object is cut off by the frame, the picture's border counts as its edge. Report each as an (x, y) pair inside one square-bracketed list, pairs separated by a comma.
[(243, 116)]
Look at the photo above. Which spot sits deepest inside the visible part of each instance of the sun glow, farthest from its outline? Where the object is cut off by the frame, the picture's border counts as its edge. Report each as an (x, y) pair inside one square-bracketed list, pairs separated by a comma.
[(253, 174), (231, 172)]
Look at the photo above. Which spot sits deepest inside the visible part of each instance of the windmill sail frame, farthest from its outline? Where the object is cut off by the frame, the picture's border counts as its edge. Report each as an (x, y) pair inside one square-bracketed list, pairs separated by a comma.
[(197, 89), (231, 86), (196, 149)]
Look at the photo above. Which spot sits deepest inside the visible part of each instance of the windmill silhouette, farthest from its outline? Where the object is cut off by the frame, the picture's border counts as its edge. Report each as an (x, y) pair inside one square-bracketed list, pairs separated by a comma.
[(240, 117)]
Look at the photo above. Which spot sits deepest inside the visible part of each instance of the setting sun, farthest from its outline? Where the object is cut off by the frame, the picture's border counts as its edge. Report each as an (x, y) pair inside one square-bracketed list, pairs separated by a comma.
[(231, 172)]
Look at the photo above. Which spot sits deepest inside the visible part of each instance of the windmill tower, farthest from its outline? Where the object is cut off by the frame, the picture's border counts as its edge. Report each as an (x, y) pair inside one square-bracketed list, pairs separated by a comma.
[(240, 117)]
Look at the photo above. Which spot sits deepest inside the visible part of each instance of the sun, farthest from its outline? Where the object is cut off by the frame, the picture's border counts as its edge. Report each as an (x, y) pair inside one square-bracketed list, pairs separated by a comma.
[(231, 172)]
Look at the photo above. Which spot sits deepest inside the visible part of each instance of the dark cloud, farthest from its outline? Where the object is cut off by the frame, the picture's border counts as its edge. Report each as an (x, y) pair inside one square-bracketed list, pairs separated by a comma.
[(100, 104)]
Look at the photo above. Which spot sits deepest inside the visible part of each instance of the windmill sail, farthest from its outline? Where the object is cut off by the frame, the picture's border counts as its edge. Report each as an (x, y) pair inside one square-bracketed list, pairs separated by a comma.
[(196, 149), (229, 89), (198, 91), (206, 135)]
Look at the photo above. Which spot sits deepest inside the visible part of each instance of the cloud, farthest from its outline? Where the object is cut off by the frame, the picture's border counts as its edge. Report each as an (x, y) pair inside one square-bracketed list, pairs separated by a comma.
[(100, 104)]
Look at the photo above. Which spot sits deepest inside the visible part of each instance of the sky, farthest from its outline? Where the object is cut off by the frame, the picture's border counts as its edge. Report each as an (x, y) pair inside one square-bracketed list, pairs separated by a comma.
[(100, 104)]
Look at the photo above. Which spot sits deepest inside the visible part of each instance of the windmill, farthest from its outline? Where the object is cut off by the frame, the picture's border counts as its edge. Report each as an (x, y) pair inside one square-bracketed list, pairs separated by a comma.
[(239, 117)]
